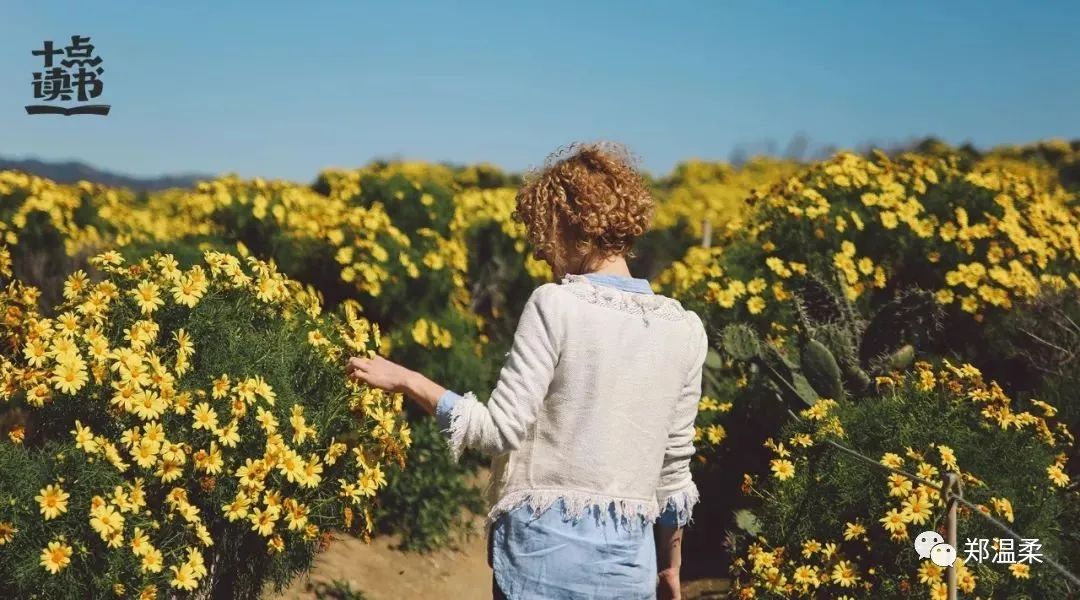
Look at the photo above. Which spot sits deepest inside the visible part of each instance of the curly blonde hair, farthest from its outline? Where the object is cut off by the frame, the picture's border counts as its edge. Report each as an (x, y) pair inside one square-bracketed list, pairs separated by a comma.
[(587, 195)]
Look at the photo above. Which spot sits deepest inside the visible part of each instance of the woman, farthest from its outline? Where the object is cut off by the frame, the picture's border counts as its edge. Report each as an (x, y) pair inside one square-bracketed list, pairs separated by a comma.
[(591, 422)]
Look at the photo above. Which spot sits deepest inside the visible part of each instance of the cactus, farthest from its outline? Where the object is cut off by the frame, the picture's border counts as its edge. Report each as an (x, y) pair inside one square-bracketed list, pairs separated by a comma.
[(820, 368), (740, 342), (908, 319), (787, 378), (819, 304), (901, 360), (783, 375), (839, 341), (839, 352)]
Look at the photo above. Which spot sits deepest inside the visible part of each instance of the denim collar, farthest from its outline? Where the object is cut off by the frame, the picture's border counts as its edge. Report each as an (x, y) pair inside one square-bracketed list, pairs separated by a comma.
[(621, 282)]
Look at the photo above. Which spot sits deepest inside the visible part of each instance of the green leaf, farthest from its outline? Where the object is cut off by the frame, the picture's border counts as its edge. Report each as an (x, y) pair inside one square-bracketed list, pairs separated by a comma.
[(747, 521), (713, 360)]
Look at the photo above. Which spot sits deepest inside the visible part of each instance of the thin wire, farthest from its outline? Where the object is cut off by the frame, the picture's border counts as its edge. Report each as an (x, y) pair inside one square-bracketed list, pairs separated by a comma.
[(949, 497)]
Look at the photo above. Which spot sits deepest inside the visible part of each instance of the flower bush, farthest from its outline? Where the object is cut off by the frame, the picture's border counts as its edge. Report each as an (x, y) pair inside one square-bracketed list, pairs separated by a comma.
[(177, 419), (984, 240), (831, 526), (987, 239)]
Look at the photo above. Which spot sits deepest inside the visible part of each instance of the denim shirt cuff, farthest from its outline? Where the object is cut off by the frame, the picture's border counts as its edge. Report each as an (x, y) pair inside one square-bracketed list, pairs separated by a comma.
[(444, 407), (670, 516)]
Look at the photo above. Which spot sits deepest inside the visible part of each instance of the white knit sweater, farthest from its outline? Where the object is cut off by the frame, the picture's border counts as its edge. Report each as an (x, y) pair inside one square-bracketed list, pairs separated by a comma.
[(595, 404)]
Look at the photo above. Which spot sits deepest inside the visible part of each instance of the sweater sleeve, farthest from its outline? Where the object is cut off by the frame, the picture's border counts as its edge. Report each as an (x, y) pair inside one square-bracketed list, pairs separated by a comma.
[(676, 491), (500, 425)]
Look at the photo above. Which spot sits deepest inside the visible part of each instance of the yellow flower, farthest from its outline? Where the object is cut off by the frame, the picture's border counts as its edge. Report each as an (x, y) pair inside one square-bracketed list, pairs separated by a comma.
[(70, 376), (313, 472), (140, 543), (776, 265), (755, 304), (1003, 507), (267, 419), (420, 332), (782, 469), (36, 352), (802, 439), (188, 290), (210, 460), (106, 520), (899, 485), (229, 435), (292, 466), (891, 459), (84, 438), (183, 577), (220, 388), (263, 521), (844, 574), (916, 509), (56, 557), (853, 531), (204, 417), (806, 575), (169, 470), (894, 521), (238, 508), (715, 433), (146, 453), (7, 532), (929, 573), (148, 297), (53, 501), (75, 285), (1057, 475), (349, 491), (296, 513), (927, 471), (148, 404), (152, 561), (948, 457), (1020, 570)]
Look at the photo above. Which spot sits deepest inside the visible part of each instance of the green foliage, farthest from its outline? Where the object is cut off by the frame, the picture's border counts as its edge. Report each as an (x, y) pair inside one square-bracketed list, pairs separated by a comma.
[(335, 590), (431, 501), (24, 471)]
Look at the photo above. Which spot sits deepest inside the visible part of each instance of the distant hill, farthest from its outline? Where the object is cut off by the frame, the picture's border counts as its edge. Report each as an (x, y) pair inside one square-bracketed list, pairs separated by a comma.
[(73, 171)]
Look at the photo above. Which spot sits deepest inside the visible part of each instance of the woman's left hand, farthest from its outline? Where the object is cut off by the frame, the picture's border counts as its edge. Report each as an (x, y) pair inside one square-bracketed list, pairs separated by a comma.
[(380, 373)]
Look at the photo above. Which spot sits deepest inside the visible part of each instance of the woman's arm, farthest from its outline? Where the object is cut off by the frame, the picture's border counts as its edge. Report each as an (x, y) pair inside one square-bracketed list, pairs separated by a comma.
[(676, 493), (391, 376), (502, 423), (668, 561)]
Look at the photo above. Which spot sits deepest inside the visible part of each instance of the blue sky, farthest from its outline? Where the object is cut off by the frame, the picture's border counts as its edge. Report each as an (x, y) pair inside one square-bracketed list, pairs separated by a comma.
[(283, 89)]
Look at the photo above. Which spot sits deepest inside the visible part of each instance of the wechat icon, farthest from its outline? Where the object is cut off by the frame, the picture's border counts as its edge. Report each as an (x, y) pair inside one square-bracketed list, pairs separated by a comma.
[(930, 544)]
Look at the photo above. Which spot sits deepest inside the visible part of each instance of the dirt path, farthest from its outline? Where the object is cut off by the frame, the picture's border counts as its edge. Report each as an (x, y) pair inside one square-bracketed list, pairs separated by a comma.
[(381, 572)]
